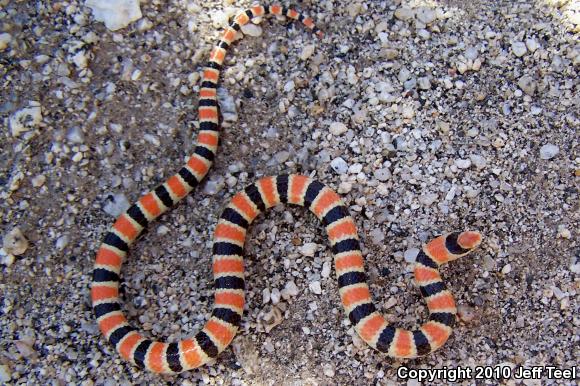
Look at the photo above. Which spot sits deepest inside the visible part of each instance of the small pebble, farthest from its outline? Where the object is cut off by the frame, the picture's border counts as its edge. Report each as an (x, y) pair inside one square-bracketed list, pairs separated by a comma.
[(337, 128), (308, 249), (549, 151), (410, 255), (115, 204), (252, 29), (14, 242), (519, 49), (5, 39), (339, 165), (315, 287), (307, 51)]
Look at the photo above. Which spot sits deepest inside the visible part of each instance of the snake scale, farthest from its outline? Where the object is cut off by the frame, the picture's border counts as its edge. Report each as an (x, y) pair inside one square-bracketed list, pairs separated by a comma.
[(229, 238)]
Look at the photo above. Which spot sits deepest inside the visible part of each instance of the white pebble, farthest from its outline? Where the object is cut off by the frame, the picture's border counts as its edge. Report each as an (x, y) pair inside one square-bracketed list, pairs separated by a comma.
[(5, 374), (519, 49), (426, 15), (25, 119), (549, 151), (382, 174), (75, 135), (116, 204), (38, 180), (252, 29), (5, 39), (265, 295), (527, 84), (344, 187), (315, 287), (115, 14), (325, 269), (62, 242), (337, 128), (290, 289), (275, 296), (462, 163), (162, 230), (308, 249), (532, 45), (289, 86), (14, 242), (506, 269), (307, 51), (478, 160), (377, 236), (404, 13), (427, 199), (328, 370), (339, 165), (410, 255)]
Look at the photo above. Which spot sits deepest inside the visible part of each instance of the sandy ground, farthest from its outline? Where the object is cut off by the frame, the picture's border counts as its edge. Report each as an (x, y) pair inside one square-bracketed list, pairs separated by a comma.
[(455, 115)]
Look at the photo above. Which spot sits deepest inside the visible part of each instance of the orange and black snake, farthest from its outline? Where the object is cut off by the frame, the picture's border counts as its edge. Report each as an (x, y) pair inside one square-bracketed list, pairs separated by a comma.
[(229, 238)]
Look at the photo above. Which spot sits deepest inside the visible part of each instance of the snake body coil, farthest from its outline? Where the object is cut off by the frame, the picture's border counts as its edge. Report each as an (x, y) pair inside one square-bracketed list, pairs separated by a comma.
[(229, 238)]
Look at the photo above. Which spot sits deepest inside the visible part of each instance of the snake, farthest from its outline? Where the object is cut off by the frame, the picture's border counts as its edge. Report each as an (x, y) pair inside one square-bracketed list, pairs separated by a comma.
[(229, 238)]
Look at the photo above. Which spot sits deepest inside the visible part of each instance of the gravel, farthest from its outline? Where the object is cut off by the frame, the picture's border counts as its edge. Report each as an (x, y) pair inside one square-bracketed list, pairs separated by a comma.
[(447, 116)]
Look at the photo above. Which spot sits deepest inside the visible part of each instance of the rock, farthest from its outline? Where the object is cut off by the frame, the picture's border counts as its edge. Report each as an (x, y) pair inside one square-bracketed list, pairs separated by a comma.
[(116, 204), (425, 15), (265, 295), (25, 348), (290, 289), (307, 51), (15, 243), (26, 119), (549, 151), (75, 135), (328, 370), (62, 242), (411, 254), (80, 59), (506, 269), (424, 34), (564, 232), (337, 128), (389, 53), (527, 84), (228, 108), (5, 374), (339, 165), (404, 13), (38, 180), (282, 156), (462, 163), (5, 39), (315, 287), (275, 296), (404, 75), (427, 199), (377, 236), (252, 29), (344, 187), (479, 161), (519, 49), (471, 53), (424, 83), (308, 249), (532, 45), (116, 14), (325, 269), (382, 174), (465, 313)]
